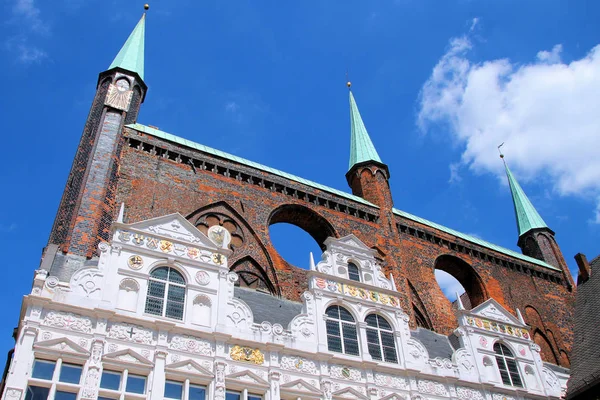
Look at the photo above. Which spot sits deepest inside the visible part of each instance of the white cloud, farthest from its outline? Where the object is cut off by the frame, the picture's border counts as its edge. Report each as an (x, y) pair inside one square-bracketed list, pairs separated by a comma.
[(26, 53), (546, 111), (30, 13), (454, 173)]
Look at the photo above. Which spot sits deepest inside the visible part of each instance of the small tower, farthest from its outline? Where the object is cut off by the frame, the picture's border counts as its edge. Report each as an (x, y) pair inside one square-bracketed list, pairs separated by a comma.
[(536, 239), (367, 175), (87, 207)]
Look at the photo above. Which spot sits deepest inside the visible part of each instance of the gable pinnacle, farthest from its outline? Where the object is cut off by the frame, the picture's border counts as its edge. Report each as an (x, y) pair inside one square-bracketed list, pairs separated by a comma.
[(361, 146), (526, 214), (131, 55)]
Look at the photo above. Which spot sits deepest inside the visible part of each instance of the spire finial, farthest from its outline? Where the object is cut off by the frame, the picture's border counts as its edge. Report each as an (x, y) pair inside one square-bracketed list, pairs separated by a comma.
[(146, 6), (348, 83), (500, 151)]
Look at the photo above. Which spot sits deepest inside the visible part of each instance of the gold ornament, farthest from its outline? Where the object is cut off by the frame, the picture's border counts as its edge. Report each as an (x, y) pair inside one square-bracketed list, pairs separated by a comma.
[(240, 353)]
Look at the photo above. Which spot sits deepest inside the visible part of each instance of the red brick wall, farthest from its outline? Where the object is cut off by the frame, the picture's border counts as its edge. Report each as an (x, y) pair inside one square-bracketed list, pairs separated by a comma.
[(156, 178)]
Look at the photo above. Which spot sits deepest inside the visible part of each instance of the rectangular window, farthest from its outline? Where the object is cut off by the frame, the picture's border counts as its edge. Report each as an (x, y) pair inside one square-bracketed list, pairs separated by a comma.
[(173, 390), (254, 397), (104, 398), (43, 369), (110, 380), (60, 395), (197, 393), (70, 373), (37, 393), (232, 396), (136, 384)]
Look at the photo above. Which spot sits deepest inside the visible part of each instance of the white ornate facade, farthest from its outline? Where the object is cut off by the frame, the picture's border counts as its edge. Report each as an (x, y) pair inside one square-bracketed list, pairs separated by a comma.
[(160, 309)]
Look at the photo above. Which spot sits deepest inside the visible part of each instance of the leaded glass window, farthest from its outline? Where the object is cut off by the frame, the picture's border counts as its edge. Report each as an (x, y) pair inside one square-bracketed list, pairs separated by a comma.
[(380, 339), (166, 293), (342, 336), (353, 273), (507, 365)]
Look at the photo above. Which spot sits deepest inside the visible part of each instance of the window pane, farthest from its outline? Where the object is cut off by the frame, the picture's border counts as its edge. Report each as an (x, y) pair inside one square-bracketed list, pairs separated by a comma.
[(136, 384), (371, 320), (154, 306), (374, 351), (36, 393), (43, 369), (104, 398), (372, 336), (176, 293), (333, 327), (345, 315), (334, 343), (254, 397), (160, 273), (232, 396), (333, 312), (65, 395), (351, 347), (175, 276), (70, 373), (383, 324), (174, 310), (156, 289), (197, 393), (110, 380), (173, 390)]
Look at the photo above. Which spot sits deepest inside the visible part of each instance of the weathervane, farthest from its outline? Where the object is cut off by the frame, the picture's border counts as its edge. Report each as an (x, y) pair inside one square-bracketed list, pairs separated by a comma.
[(348, 83), (500, 151)]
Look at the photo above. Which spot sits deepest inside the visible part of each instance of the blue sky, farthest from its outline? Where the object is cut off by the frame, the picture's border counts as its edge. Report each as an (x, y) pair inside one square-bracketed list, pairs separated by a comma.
[(439, 84)]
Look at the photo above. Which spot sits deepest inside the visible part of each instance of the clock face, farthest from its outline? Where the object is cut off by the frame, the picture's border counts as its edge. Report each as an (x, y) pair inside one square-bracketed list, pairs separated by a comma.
[(122, 85)]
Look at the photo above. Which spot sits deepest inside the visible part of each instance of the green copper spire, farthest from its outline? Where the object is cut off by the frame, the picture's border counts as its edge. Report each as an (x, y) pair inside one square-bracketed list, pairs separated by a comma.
[(131, 56), (361, 147), (527, 217)]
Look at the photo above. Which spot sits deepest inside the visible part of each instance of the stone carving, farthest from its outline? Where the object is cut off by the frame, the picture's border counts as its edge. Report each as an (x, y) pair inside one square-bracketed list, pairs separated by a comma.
[(202, 278), (87, 282), (416, 350), (135, 262), (327, 390), (392, 381), (342, 372), (431, 387), (464, 360), (130, 333), (112, 348), (47, 336), (90, 387), (498, 328), (299, 364), (191, 344), (36, 311), (240, 353), (219, 380), (13, 394), (239, 313), (491, 311), (97, 347), (69, 321), (52, 282), (498, 396), (469, 394)]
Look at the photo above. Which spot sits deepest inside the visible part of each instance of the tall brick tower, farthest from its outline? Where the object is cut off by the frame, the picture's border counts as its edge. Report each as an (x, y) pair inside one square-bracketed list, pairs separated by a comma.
[(87, 206), (536, 239)]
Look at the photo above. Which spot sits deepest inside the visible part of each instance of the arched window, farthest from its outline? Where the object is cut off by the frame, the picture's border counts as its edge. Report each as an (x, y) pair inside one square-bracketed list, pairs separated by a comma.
[(166, 293), (353, 273), (341, 331), (380, 339), (507, 366)]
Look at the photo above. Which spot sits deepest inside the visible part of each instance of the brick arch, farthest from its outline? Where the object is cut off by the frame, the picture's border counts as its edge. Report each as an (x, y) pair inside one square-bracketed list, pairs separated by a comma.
[(252, 275), (543, 337), (464, 273), (306, 219), (418, 309), (251, 245), (546, 350)]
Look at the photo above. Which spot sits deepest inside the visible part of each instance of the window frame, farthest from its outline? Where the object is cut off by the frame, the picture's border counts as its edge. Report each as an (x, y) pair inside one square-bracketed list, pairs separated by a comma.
[(186, 383), (379, 330), (165, 298), (340, 327), (54, 384), (506, 369), (355, 273), (121, 393)]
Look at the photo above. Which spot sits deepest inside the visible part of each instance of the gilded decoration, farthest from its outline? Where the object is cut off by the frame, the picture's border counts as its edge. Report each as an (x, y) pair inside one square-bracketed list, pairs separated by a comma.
[(496, 327), (358, 292), (239, 353), (135, 262)]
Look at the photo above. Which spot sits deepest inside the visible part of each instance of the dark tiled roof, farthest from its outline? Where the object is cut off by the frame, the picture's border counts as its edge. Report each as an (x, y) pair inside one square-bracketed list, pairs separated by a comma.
[(268, 308), (585, 357), (437, 345)]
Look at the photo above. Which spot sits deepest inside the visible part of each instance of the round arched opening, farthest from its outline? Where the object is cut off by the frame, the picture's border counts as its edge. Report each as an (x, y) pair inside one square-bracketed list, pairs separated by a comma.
[(463, 277), (450, 286), (295, 231)]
